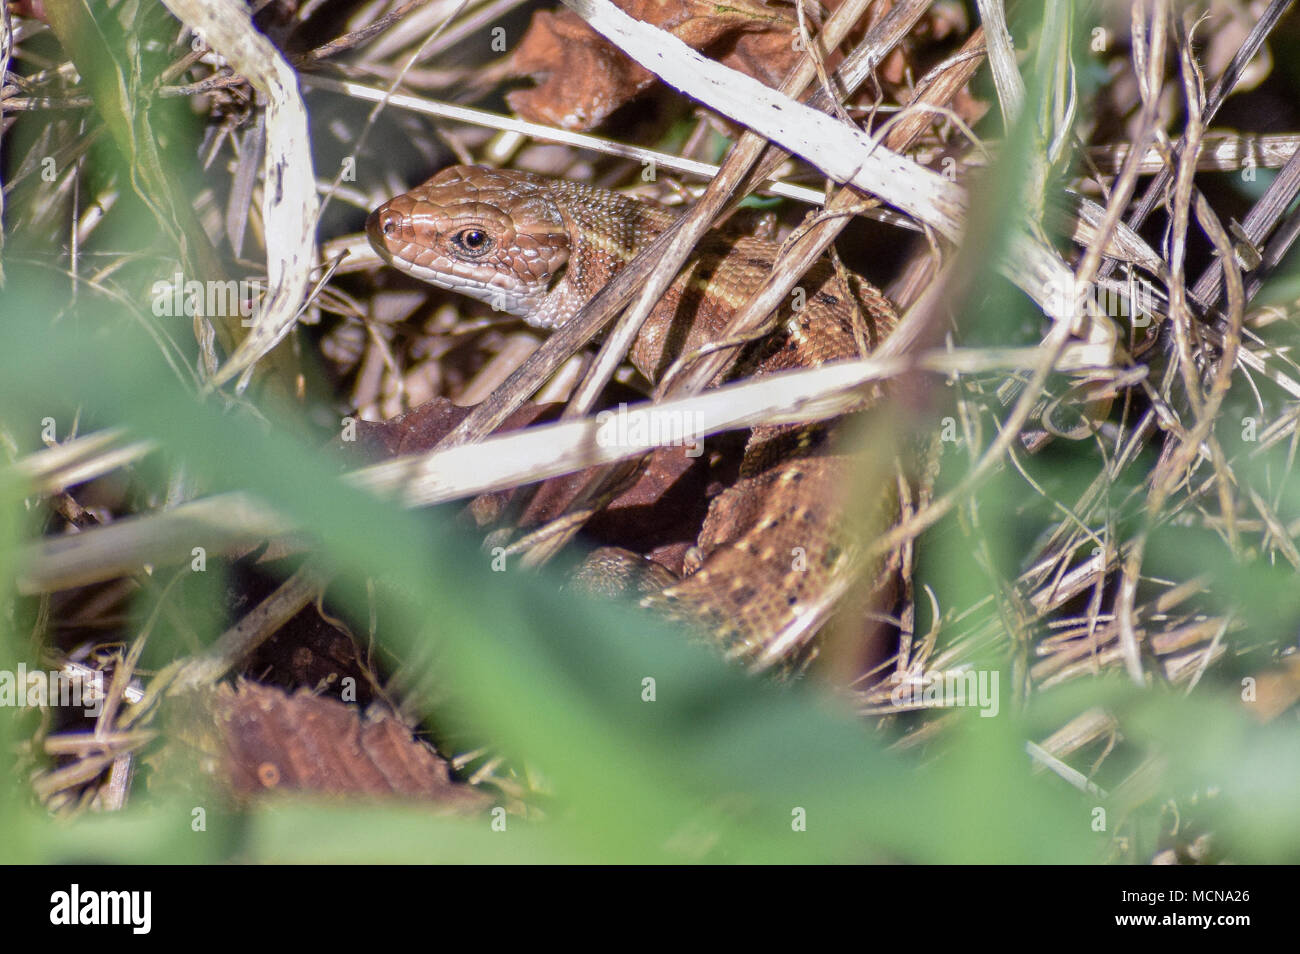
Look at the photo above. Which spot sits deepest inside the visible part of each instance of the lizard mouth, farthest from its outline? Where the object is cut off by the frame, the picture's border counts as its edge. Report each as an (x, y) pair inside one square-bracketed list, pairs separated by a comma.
[(557, 276)]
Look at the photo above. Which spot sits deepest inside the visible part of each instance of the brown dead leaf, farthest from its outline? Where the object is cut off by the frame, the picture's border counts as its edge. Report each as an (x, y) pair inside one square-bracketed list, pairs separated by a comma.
[(261, 739), (582, 77)]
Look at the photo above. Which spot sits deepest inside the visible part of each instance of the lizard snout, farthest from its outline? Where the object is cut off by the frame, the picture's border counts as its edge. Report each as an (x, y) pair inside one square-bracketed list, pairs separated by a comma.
[(383, 226)]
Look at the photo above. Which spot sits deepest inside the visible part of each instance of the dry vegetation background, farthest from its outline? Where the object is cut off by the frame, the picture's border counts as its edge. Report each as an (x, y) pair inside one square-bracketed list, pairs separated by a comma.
[(1113, 528)]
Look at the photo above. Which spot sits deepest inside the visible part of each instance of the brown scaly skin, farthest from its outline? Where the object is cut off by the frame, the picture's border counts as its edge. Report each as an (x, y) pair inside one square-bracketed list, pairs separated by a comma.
[(773, 553)]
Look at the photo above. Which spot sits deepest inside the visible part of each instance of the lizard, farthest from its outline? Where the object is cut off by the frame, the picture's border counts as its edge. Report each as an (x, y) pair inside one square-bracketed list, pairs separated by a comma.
[(772, 551)]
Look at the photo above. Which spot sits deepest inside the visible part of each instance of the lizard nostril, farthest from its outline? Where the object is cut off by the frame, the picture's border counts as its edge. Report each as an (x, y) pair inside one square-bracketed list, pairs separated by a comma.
[(382, 223)]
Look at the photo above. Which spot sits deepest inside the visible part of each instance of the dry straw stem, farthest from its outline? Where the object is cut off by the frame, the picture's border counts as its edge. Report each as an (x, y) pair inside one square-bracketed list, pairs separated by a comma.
[(1002, 60), (228, 521), (289, 206), (553, 449), (564, 137), (55, 469), (1050, 762), (218, 524), (1257, 227), (1220, 152), (253, 628), (412, 27)]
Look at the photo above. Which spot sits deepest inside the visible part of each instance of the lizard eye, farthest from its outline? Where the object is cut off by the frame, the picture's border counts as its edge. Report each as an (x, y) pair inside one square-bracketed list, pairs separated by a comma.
[(473, 241)]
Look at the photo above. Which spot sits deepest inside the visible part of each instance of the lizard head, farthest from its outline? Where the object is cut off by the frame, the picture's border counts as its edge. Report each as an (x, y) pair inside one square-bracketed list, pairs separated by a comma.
[(496, 238)]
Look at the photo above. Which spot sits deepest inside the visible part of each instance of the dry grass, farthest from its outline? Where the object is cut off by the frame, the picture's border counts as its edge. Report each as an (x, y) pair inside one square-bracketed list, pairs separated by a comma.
[(1115, 496)]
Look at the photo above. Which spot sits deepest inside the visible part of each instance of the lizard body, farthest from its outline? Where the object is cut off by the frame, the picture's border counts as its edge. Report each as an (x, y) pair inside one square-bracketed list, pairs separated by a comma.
[(773, 549)]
